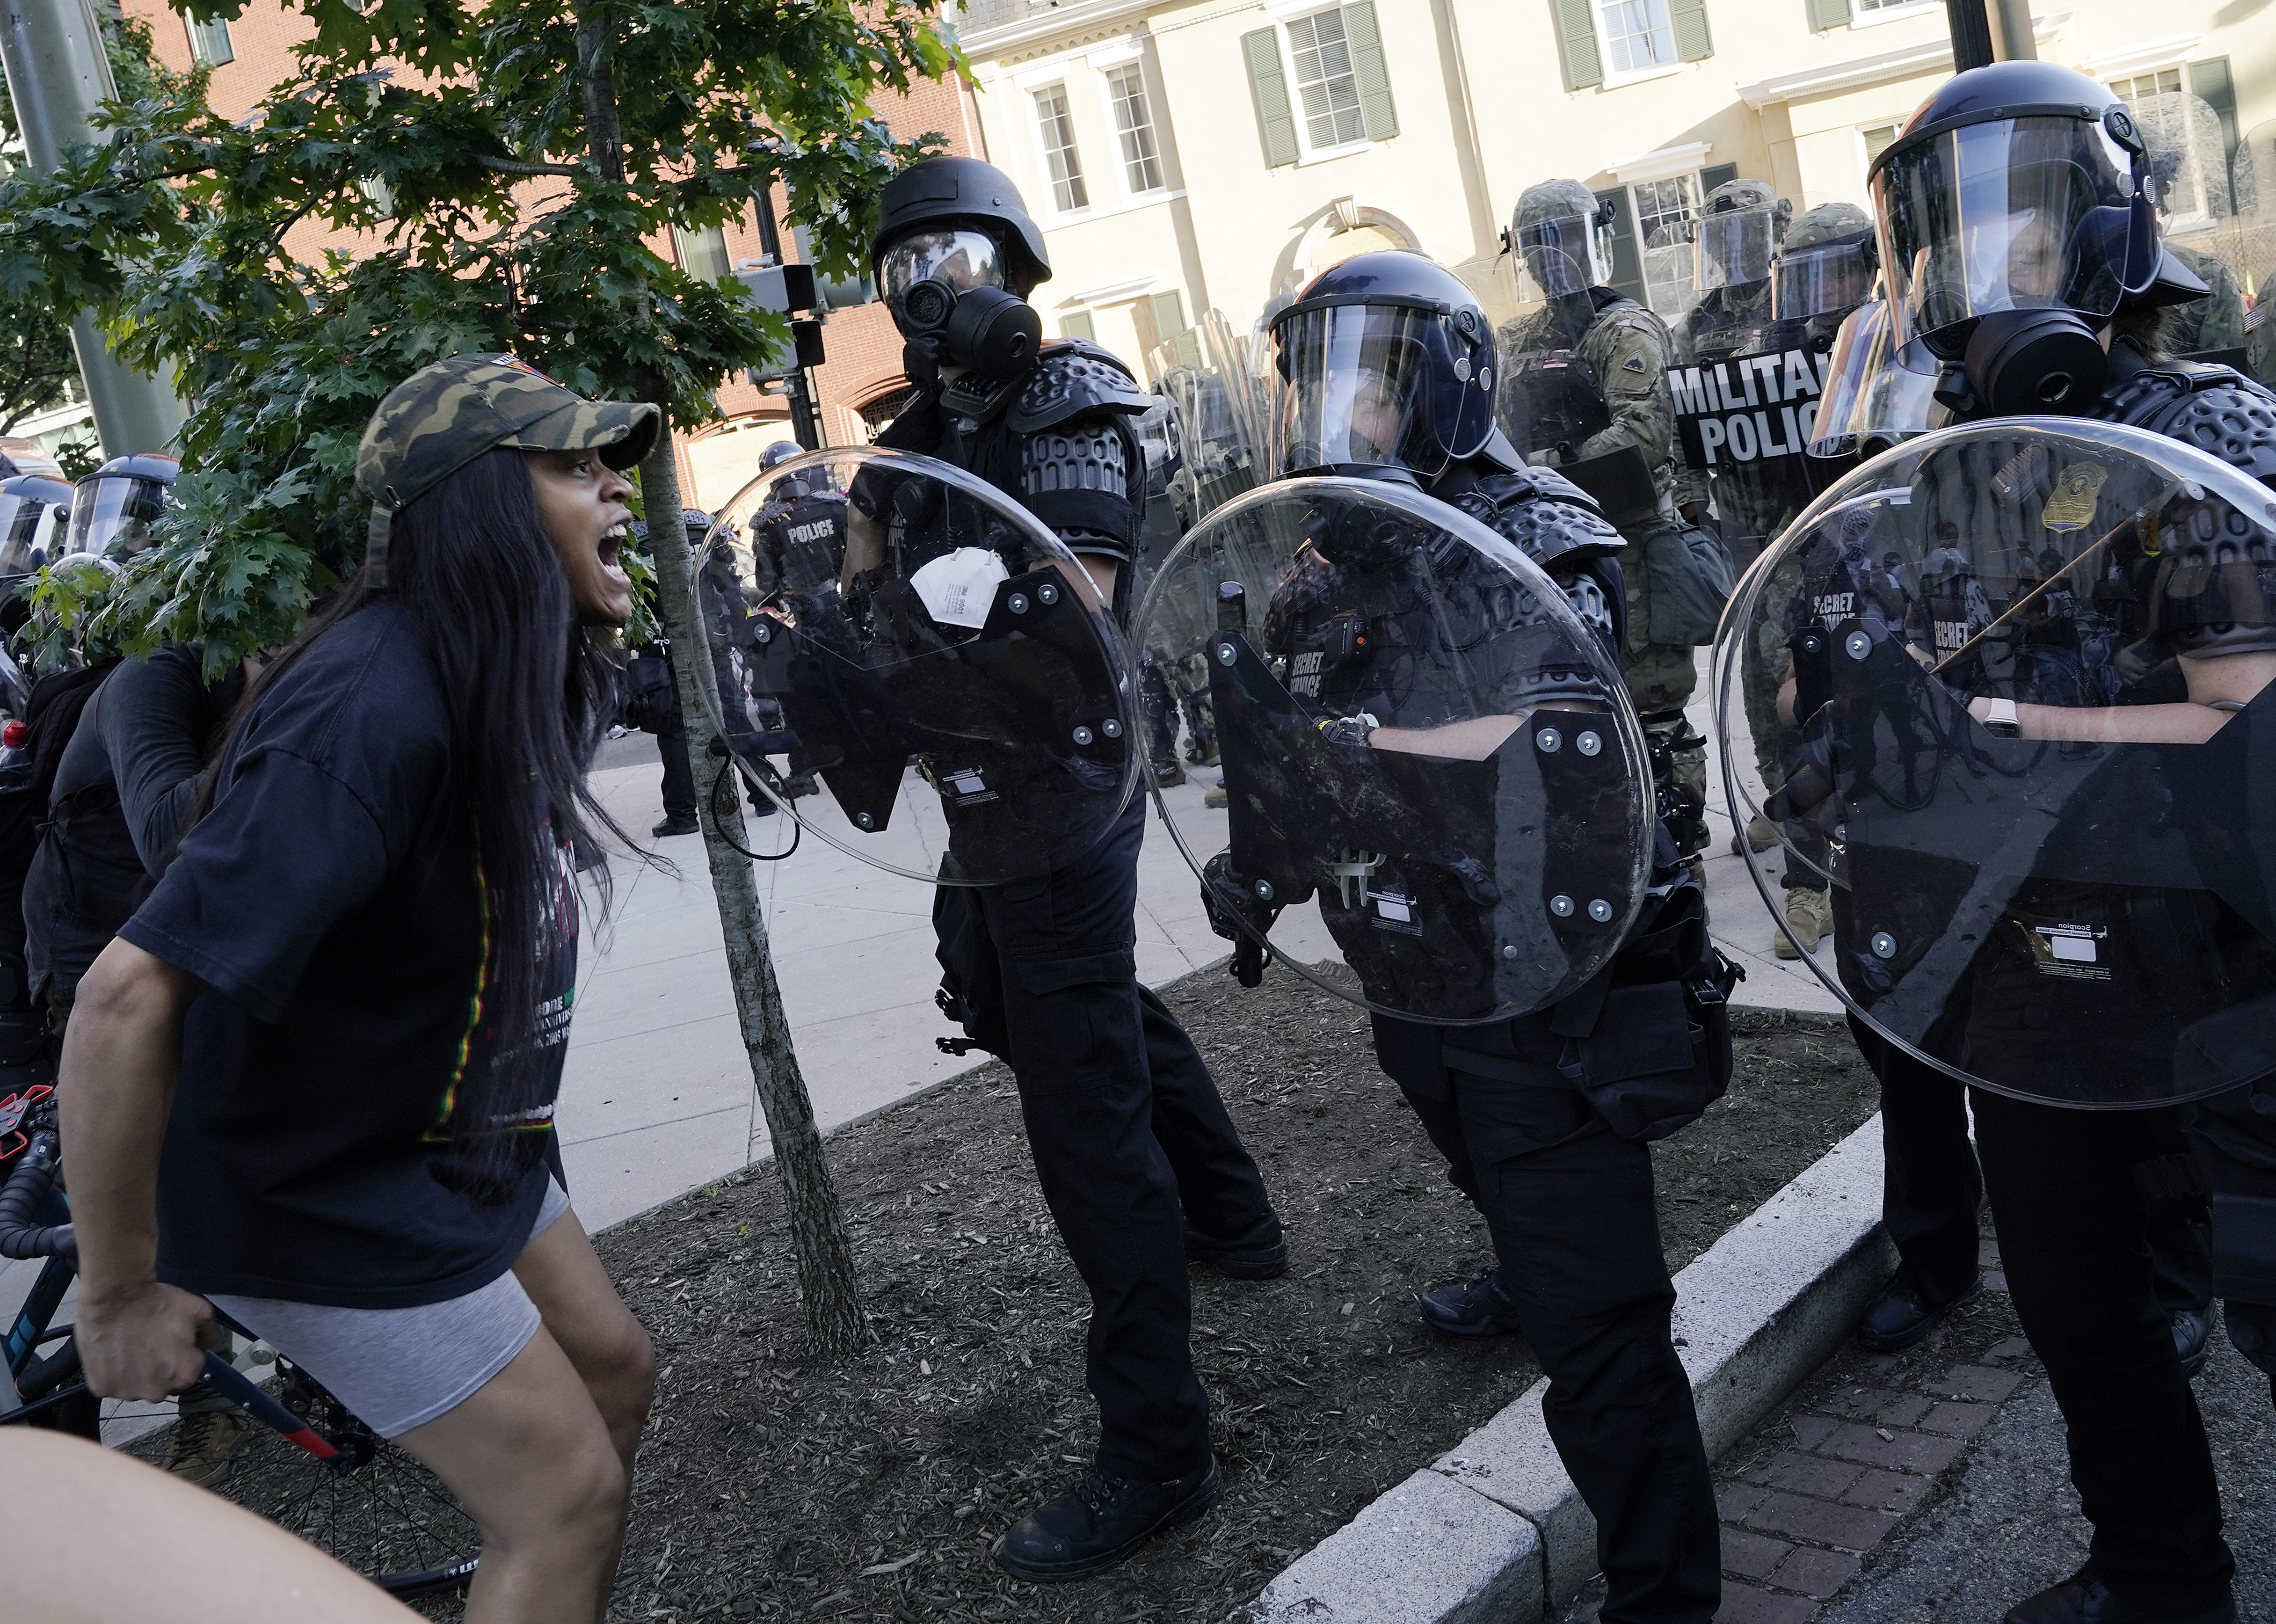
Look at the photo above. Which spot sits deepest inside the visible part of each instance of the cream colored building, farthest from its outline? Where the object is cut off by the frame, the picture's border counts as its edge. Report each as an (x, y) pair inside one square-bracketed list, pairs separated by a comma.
[(1189, 157)]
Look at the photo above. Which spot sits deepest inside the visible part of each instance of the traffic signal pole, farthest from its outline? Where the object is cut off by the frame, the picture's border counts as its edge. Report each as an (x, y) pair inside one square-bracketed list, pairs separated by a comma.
[(57, 74), (798, 383)]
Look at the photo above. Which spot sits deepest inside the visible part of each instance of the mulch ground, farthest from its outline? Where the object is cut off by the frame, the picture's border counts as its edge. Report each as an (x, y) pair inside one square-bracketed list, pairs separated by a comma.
[(775, 1486)]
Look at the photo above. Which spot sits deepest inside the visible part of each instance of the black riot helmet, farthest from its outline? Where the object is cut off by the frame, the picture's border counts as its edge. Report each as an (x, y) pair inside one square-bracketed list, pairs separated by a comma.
[(1384, 364), (2015, 212), (114, 507), (779, 453), (955, 257)]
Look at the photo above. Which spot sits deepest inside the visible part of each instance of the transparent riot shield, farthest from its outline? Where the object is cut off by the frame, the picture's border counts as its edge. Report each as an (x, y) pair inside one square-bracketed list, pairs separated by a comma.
[(2016, 680), (1420, 736), (922, 645)]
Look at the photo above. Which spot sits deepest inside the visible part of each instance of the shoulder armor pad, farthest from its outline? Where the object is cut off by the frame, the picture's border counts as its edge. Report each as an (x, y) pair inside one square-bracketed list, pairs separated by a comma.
[(1073, 377), (2216, 409), (1548, 518)]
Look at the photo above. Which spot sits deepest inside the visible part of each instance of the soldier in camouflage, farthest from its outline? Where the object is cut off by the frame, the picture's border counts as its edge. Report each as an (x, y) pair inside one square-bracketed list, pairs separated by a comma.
[(1738, 233), (2217, 321), (1625, 351)]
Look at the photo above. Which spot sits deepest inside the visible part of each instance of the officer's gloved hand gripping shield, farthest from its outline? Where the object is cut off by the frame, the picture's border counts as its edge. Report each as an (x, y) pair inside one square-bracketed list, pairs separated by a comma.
[(1420, 736), (2025, 731), (945, 660)]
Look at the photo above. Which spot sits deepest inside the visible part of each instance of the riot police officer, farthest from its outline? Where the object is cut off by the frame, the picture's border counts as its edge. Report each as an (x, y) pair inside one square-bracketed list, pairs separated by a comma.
[(1384, 364), (1584, 390), (1824, 269), (2055, 327), (1139, 1164)]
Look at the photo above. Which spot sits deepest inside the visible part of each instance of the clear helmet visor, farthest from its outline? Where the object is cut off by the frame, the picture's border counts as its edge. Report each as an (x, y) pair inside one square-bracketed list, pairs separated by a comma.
[(962, 259), (1347, 388), (26, 530), (2014, 214), (113, 516), (1828, 279), (1871, 401), (1563, 256), (1734, 248)]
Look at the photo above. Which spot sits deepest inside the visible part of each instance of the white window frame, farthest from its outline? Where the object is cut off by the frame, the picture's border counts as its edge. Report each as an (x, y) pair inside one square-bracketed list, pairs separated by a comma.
[(1865, 152), (1690, 179), (1058, 82), (1860, 17), (191, 23), (1307, 150), (1615, 78), (1107, 67)]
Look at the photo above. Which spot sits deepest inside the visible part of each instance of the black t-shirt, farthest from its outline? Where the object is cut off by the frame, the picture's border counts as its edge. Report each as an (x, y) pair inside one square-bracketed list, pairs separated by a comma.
[(332, 902), (122, 790)]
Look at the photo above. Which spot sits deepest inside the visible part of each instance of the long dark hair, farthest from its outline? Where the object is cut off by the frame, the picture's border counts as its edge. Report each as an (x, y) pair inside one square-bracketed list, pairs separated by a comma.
[(528, 691)]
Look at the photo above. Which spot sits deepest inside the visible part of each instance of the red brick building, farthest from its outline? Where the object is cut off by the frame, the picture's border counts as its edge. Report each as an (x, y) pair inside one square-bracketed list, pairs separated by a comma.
[(252, 53)]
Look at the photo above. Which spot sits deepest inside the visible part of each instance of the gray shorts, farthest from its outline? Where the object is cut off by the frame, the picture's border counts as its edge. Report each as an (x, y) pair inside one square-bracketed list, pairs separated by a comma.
[(398, 1368)]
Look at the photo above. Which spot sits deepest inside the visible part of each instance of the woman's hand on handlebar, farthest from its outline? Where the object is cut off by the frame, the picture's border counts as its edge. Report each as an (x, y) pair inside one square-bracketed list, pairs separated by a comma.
[(145, 1341)]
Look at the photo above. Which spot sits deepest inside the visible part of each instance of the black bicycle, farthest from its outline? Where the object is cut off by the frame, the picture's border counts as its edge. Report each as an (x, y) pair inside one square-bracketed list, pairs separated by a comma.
[(313, 1467)]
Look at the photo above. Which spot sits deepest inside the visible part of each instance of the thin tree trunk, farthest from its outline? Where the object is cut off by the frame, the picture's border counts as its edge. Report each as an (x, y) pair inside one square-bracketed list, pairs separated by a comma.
[(819, 1243)]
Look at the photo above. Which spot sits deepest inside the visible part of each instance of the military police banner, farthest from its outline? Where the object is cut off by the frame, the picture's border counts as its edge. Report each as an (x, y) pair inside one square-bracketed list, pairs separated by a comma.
[(1748, 408)]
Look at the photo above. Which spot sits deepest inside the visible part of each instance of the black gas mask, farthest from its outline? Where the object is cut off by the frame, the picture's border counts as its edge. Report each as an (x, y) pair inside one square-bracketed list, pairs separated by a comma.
[(948, 291), (2024, 363)]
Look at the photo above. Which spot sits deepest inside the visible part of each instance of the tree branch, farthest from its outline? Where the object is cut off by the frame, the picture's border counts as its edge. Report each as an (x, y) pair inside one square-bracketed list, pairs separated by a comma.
[(515, 166)]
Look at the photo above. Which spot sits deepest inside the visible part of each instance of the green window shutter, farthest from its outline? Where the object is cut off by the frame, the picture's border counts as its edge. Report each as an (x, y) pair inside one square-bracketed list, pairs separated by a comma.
[(2211, 83), (1373, 73), (1576, 42), (1078, 325), (1693, 42), (1825, 14), (1628, 264), (1268, 85), (1169, 315), (1715, 175)]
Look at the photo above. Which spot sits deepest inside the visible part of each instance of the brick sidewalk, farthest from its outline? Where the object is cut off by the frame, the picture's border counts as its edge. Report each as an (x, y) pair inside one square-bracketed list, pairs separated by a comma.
[(1827, 1477)]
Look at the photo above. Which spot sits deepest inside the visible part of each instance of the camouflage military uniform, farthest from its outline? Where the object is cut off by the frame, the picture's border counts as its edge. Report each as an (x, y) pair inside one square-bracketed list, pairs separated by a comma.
[(1627, 349), (2260, 342), (2213, 322)]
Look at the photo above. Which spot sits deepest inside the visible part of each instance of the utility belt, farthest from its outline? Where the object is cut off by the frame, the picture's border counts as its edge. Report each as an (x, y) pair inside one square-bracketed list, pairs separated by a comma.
[(1648, 1040)]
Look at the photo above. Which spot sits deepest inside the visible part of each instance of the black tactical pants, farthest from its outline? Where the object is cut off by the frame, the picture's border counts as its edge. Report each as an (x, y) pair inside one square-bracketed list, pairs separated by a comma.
[(1569, 1206), (2234, 1137), (2075, 1239), (679, 772), (1932, 1189), (1130, 1140)]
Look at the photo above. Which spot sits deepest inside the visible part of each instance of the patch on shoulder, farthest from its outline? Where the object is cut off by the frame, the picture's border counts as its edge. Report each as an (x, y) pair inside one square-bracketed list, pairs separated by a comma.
[(1633, 363)]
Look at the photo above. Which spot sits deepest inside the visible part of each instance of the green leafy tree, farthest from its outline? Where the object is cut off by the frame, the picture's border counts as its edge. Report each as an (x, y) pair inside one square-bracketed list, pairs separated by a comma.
[(445, 150)]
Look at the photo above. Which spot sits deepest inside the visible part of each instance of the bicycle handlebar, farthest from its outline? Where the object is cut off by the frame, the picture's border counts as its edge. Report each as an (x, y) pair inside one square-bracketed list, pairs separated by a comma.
[(27, 1190)]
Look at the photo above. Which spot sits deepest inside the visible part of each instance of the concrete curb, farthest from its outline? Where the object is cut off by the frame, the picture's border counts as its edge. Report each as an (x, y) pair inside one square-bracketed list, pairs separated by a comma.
[(1494, 1528)]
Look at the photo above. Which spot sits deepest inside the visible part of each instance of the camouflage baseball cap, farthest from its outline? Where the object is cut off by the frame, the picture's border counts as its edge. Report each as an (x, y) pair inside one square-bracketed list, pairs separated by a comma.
[(444, 416), (1552, 200)]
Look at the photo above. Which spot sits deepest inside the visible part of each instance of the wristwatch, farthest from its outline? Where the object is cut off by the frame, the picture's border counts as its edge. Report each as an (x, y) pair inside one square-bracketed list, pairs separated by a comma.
[(2000, 720)]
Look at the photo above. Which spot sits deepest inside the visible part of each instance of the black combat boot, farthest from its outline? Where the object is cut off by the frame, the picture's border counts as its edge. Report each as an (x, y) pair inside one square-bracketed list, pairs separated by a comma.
[(1102, 1522), (1902, 1314), (1474, 1308), (2085, 1599), (1247, 1257)]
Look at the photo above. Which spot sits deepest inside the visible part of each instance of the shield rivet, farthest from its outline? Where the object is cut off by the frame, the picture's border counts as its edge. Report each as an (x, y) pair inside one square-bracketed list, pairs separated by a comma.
[(1884, 945), (1856, 645), (1018, 603), (1226, 654), (1588, 744), (1600, 910), (862, 819), (1549, 741), (1110, 727), (1047, 594), (1084, 735), (1263, 890), (1509, 950), (1562, 907)]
